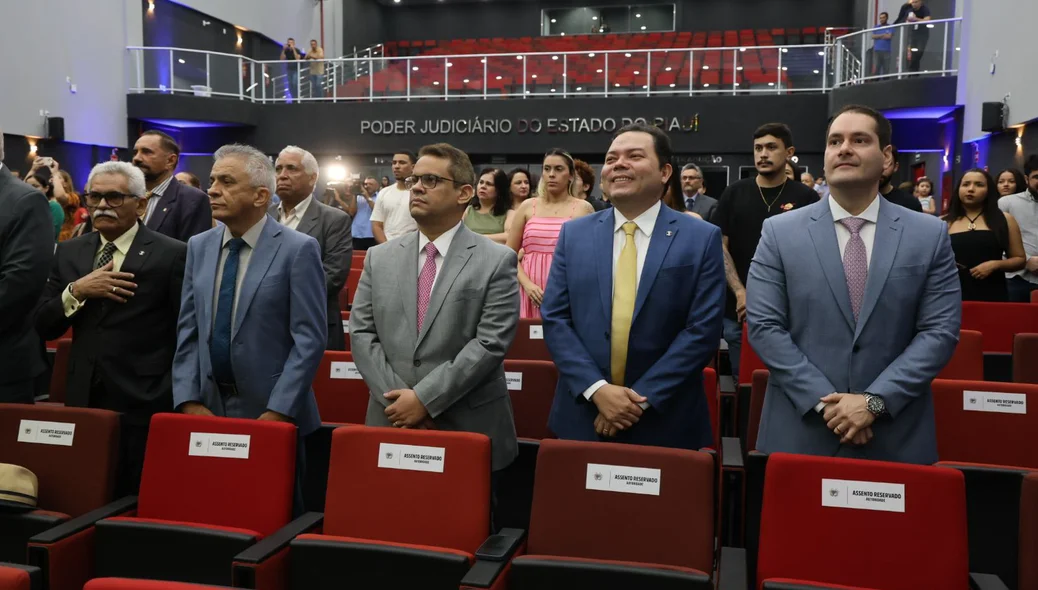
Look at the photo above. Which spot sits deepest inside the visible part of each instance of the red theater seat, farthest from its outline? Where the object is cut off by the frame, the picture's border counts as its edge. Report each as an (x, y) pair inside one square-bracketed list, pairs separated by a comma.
[(531, 387), (583, 528), (59, 371), (757, 391), (346, 328), (925, 546), (713, 403), (435, 514), (529, 342), (130, 584), (75, 473), (342, 396), (967, 363), (211, 487), (1025, 358), (351, 284), (748, 359), (20, 577), (999, 322), (986, 422)]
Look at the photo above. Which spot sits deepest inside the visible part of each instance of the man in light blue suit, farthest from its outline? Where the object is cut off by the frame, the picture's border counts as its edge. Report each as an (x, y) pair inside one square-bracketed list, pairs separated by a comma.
[(253, 315), (632, 309), (854, 306)]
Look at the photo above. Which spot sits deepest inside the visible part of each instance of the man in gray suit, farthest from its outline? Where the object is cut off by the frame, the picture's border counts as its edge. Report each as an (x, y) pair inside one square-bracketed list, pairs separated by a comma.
[(297, 174), (691, 185), (851, 363), (435, 312)]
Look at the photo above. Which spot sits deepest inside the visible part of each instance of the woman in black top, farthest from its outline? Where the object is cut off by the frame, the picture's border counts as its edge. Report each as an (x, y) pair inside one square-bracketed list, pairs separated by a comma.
[(980, 234)]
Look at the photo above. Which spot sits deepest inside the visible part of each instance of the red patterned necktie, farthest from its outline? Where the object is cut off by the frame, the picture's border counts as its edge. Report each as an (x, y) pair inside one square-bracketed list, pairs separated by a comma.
[(855, 263), (425, 282)]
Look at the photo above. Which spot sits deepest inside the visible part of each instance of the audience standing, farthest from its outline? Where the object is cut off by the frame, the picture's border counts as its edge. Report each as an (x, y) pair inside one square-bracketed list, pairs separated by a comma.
[(296, 173), (391, 215), (118, 289), (915, 11), (360, 209), (881, 39), (981, 234), (26, 250), (741, 212), (490, 212), (276, 315), (887, 189), (693, 197), (1023, 206), (851, 364), (188, 179), (291, 54), (520, 183), (316, 58), (924, 194), (1010, 182), (652, 280), (585, 185), (45, 179), (536, 233), (174, 209)]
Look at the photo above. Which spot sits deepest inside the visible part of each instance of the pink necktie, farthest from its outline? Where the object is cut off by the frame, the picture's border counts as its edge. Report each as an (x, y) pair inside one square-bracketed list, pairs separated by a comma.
[(425, 282), (855, 263)]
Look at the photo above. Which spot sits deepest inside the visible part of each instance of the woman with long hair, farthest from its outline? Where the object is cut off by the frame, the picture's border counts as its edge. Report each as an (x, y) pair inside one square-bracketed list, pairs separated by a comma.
[(44, 179), (924, 192), (537, 223), (1010, 181), (490, 211), (520, 183), (981, 234)]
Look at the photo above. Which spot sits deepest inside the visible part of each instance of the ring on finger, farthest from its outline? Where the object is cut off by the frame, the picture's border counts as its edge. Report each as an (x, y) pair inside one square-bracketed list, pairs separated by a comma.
[(114, 288)]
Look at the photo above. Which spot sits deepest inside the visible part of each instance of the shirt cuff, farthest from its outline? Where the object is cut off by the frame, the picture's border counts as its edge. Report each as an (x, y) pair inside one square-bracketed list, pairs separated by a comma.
[(644, 405), (69, 303), (594, 387), (820, 407)]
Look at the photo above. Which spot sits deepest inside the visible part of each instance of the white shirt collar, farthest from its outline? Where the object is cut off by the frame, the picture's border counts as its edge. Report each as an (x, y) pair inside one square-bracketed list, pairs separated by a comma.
[(443, 243), (123, 242), (298, 211), (251, 236), (871, 213), (645, 222), (160, 190)]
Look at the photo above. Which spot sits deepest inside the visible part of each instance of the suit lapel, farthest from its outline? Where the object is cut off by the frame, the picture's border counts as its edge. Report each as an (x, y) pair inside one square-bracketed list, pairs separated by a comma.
[(309, 220), (823, 234), (87, 253), (888, 237), (457, 257), (603, 249), (164, 206), (407, 274), (663, 235), (139, 250), (266, 248)]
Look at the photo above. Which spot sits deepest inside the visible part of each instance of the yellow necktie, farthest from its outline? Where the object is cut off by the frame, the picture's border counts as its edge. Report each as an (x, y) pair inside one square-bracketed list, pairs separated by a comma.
[(624, 291)]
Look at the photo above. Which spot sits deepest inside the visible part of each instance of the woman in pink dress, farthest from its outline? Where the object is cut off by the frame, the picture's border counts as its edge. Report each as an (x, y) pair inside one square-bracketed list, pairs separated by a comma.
[(536, 226)]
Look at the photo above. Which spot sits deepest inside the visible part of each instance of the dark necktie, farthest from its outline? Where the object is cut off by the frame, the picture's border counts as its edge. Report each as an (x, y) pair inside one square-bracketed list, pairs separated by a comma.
[(689, 204), (107, 253), (220, 346)]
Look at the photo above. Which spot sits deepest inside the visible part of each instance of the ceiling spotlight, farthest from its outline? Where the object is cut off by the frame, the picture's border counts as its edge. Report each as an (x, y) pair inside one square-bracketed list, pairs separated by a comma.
[(436, 83), (598, 71), (396, 1), (822, 53), (181, 60), (553, 90), (742, 49), (706, 67), (594, 18), (915, 49), (499, 77), (617, 85), (579, 88), (414, 69), (814, 71), (554, 58), (591, 55), (771, 83), (1019, 141), (465, 81), (638, 16), (449, 64), (518, 57), (673, 85), (667, 69), (784, 69), (636, 72), (736, 83), (738, 68), (483, 61), (644, 87), (785, 50), (707, 85), (534, 76), (627, 55), (643, 27), (562, 34), (553, 20)]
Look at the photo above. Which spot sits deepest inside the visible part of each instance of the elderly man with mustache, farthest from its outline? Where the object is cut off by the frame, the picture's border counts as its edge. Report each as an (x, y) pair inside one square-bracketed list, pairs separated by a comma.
[(118, 288)]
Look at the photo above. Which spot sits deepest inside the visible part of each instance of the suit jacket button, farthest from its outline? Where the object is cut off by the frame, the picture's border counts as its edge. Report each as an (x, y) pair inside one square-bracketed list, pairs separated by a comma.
[(856, 348), (417, 363)]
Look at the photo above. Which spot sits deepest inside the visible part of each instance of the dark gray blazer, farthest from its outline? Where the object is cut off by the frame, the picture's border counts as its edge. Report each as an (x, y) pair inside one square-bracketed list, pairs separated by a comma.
[(332, 229), (704, 206)]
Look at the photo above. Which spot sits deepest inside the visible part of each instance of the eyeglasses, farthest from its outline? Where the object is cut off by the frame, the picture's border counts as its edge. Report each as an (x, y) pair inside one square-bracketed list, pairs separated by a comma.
[(114, 198), (429, 181)]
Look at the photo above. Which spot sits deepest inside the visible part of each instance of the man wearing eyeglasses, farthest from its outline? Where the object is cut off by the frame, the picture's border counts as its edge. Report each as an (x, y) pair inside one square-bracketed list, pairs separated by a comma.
[(118, 288), (441, 363), (691, 187)]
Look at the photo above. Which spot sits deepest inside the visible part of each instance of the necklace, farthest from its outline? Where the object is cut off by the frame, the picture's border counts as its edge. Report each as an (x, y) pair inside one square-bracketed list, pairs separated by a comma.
[(772, 203), (973, 220)]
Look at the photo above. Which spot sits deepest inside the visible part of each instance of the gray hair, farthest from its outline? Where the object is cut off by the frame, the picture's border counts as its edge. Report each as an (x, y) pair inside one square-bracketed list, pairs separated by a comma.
[(257, 164), (691, 166), (133, 175), (309, 161)]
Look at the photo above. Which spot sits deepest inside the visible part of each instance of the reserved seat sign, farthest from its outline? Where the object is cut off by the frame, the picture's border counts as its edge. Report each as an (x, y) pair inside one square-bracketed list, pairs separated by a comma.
[(863, 495), (411, 457), (617, 478), (215, 444)]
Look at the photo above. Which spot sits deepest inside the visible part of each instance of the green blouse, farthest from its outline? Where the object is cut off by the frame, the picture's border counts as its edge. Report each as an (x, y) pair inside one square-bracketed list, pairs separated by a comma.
[(484, 224)]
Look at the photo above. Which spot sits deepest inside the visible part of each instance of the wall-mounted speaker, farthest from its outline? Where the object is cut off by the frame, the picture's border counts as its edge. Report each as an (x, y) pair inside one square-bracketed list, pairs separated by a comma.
[(56, 128), (992, 117)]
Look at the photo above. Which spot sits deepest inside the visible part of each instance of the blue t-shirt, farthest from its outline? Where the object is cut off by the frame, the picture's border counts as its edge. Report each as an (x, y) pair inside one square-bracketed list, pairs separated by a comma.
[(362, 221), (882, 44)]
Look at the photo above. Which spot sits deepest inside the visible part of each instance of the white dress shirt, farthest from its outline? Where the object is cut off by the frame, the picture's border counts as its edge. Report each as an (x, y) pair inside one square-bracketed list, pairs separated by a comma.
[(156, 196), (843, 235), (292, 219), (646, 222), (251, 238), (443, 244), (122, 248)]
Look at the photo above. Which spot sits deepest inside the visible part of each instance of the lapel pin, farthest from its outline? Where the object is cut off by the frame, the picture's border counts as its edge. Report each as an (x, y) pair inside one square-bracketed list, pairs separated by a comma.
[(164, 209), (141, 253), (669, 233)]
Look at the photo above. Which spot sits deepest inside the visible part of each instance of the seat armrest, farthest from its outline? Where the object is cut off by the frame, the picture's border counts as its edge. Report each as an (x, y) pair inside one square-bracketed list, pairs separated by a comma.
[(731, 453), (732, 572), (269, 546), (81, 523), (986, 582), (493, 557)]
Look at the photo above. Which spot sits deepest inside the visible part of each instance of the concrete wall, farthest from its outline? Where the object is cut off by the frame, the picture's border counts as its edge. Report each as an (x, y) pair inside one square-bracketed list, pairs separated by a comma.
[(990, 39), (280, 19), (48, 49)]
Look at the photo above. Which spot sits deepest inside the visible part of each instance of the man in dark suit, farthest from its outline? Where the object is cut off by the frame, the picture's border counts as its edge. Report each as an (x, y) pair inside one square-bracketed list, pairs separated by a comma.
[(892, 193), (175, 210), (632, 312), (297, 174), (118, 288), (26, 248), (691, 185)]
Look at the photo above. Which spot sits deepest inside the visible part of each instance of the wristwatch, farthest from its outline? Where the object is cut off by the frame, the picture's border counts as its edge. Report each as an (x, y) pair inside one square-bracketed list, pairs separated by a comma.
[(78, 300), (875, 405)]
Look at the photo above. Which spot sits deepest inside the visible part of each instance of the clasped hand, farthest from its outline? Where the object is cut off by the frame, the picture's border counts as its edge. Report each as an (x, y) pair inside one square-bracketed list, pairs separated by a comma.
[(104, 283), (847, 415), (406, 410), (618, 409)]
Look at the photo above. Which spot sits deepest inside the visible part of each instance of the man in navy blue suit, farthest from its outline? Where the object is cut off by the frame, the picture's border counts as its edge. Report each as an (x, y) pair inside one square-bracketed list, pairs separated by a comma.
[(175, 210), (633, 306)]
